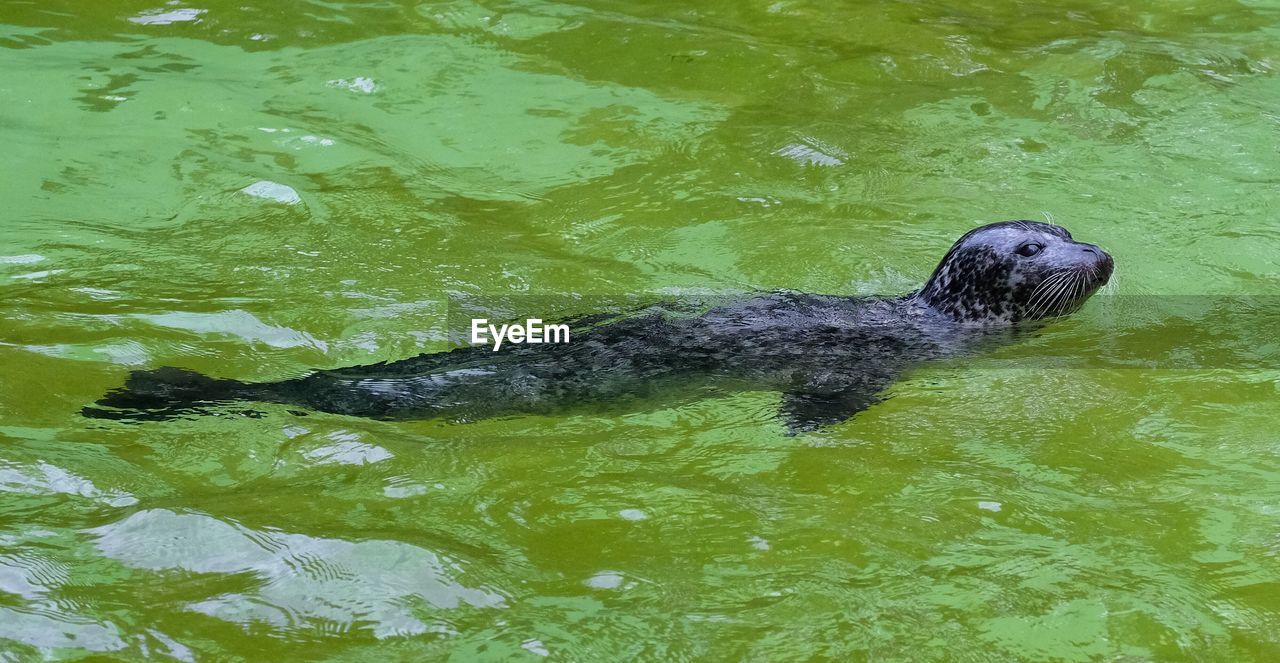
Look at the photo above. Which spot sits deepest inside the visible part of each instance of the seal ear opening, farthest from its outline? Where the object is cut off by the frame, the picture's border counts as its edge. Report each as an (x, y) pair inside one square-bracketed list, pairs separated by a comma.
[(164, 393)]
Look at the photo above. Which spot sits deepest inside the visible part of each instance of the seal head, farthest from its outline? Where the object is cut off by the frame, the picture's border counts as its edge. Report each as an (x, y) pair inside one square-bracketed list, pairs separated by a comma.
[(1015, 271)]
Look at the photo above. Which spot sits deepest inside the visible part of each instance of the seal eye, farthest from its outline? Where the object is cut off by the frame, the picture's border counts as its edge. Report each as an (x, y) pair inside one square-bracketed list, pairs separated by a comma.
[(1029, 249)]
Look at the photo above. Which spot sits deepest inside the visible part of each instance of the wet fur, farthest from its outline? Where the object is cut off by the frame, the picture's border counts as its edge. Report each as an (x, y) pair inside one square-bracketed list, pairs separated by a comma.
[(829, 356)]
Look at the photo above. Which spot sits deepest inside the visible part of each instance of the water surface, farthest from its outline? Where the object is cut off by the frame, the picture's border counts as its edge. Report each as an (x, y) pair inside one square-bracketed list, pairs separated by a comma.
[(252, 189)]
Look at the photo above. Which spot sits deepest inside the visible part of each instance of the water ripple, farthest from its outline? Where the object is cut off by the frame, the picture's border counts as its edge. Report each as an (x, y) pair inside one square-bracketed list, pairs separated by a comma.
[(303, 581)]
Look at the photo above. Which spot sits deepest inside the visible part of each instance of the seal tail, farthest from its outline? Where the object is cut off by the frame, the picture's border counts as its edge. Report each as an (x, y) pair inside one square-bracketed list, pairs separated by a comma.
[(165, 393)]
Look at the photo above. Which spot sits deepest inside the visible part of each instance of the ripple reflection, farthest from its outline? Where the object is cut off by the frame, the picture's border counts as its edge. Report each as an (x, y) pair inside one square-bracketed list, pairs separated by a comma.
[(306, 582)]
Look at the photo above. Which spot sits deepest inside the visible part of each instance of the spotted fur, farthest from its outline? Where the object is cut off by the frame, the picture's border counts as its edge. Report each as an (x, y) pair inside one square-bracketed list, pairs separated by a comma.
[(983, 279)]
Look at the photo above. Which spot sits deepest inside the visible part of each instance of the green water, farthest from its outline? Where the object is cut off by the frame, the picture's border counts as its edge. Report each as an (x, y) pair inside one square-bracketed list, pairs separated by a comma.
[(252, 189)]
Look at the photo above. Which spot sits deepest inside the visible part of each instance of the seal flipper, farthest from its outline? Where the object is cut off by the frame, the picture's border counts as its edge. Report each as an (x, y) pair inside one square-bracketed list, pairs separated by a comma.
[(805, 412), (165, 393)]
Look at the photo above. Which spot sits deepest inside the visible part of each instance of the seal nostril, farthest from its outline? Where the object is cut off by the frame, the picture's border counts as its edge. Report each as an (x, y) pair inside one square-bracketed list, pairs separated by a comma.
[(1090, 249)]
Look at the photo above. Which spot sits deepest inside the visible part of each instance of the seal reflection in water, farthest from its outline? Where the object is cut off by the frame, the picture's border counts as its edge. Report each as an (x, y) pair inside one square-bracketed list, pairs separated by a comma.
[(828, 355)]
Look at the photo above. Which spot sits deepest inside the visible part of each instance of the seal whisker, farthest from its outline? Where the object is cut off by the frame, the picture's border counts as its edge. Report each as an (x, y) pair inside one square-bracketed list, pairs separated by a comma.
[(1046, 290), (1109, 286), (1051, 301), (1045, 283), (1077, 289), (1034, 304), (1044, 296), (1046, 279), (1063, 292), (1055, 305)]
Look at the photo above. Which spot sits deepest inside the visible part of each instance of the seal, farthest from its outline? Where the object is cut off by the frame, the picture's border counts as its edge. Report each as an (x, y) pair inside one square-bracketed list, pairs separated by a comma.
[(830, 356)]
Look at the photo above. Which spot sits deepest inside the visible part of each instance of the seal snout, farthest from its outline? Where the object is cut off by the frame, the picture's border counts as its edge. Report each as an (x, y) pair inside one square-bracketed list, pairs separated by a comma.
[(1101, 261)]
